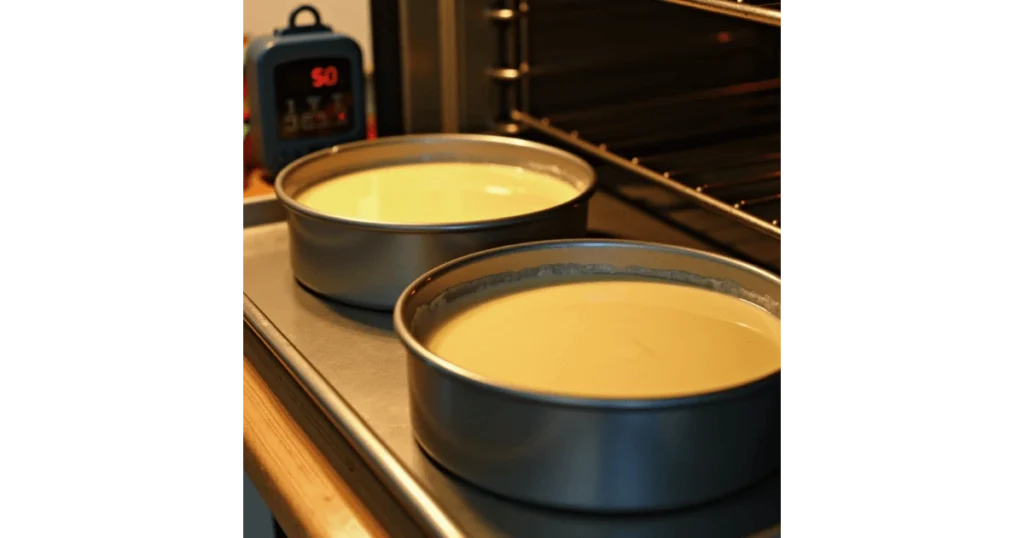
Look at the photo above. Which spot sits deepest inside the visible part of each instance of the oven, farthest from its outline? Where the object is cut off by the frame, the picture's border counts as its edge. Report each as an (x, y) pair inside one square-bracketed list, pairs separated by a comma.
[(676, 103)]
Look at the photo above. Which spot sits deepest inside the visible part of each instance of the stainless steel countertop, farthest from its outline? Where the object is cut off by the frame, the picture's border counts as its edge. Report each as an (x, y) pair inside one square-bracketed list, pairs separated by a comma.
[(355, 368)]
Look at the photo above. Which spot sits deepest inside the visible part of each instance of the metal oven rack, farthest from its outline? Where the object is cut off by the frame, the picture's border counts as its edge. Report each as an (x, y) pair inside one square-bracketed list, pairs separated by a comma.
[(732, 170), (703, 193), (762, 11)]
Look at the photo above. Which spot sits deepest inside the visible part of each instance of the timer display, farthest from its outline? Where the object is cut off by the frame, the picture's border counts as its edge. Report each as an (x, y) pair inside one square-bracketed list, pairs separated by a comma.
[(313, 98)]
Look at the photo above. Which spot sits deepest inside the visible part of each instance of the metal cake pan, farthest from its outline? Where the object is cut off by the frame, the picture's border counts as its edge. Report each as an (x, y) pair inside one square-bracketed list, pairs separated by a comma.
[(368, 264), (603, 455)]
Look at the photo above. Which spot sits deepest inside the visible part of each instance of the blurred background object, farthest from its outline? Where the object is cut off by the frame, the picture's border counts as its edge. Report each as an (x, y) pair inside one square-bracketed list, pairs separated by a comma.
[(357, 27), (261, 17)]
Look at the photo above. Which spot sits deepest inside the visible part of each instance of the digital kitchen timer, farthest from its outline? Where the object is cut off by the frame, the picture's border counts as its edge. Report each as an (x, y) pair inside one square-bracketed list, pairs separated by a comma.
[(305, 88)]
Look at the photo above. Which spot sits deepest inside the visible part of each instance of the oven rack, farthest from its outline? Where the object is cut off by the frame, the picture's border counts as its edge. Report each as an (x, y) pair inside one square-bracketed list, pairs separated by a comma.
[(746, 210), (761, 11)]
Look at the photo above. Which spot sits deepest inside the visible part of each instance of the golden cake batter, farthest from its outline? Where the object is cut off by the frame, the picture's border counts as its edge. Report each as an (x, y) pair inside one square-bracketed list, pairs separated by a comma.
[(612, 339), (437, 193)]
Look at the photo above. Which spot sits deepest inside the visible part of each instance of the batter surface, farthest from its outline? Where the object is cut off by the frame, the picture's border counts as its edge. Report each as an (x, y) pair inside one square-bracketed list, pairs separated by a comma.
[(437, 193), (611, 339)]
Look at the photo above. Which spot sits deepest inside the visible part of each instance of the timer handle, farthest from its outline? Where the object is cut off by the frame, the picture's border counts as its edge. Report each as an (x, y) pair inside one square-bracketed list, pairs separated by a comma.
[(293, 28), (300, 9)]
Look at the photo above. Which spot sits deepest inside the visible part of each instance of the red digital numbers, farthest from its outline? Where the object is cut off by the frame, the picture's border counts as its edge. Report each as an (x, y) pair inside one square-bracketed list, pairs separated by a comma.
[(324, 76)]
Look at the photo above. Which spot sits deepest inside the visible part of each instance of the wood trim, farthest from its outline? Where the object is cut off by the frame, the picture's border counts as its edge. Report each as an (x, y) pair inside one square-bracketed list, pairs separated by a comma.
[(295, 479)]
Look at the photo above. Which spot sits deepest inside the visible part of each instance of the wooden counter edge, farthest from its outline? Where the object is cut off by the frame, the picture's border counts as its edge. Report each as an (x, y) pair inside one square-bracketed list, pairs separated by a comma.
[(295, 479)]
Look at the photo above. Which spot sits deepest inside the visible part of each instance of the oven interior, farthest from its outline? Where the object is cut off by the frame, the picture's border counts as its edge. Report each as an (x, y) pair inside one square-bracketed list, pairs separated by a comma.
[(675, 102)]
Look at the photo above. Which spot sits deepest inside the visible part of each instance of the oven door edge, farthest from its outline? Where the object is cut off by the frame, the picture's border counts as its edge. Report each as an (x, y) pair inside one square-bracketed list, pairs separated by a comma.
[(446, 49)]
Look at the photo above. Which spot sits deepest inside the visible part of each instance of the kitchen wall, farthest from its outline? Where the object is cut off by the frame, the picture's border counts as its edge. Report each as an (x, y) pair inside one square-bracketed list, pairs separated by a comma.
[(350, 17)]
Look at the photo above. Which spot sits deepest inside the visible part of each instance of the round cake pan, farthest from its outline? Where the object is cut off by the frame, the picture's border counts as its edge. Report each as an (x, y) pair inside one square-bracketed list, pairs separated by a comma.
[(368, 264), (605, 455)]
